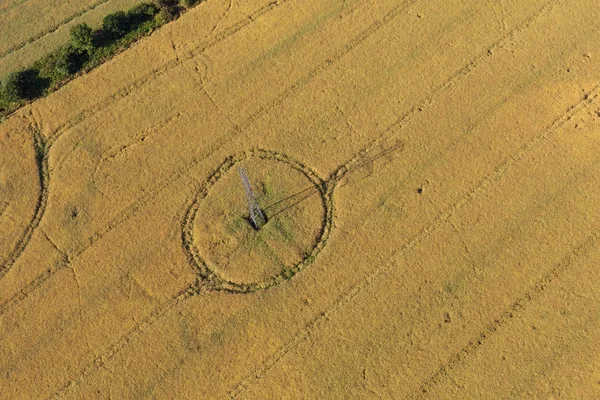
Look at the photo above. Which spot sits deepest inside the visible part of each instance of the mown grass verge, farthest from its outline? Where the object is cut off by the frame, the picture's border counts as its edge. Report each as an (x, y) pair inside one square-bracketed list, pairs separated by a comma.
[(86, 49)]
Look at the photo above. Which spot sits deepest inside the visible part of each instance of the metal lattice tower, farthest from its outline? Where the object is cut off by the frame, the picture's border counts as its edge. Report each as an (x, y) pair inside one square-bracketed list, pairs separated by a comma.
[(256, 215)]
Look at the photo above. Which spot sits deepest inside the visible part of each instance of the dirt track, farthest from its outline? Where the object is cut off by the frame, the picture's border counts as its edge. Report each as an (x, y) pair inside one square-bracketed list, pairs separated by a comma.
[(460, 265)]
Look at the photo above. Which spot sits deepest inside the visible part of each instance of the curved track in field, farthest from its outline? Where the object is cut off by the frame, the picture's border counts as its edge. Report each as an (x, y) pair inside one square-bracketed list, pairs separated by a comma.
[(37, 156)]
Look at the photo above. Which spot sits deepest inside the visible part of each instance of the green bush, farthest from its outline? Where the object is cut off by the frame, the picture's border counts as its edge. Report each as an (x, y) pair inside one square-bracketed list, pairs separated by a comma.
[(4, 102), (166, 15), (82, 37), (115, 25), (24, 84), (13, 87)]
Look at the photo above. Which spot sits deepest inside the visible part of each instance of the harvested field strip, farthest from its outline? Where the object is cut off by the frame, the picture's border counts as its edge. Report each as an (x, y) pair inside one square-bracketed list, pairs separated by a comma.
[(51, 29), (347, 297)]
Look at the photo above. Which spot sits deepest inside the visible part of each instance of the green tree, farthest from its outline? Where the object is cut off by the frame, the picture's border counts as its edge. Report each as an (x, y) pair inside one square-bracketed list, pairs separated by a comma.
[(69, 60), (82, 37), (169, 10), (115, 25), (142, 12), (13, 87)]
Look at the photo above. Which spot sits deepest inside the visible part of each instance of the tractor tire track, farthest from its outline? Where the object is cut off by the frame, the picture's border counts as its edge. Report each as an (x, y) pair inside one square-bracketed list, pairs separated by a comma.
[(101, 360), (533, 293), (346, 298), (32, 286)]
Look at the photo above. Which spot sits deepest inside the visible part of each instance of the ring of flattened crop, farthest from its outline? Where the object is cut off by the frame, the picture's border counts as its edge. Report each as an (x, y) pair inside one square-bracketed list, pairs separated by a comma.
[(209, 277)]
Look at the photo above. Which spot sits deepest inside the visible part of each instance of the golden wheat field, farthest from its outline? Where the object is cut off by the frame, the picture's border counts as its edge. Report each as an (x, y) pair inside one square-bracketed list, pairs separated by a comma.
[(430, 176), (29, 29)]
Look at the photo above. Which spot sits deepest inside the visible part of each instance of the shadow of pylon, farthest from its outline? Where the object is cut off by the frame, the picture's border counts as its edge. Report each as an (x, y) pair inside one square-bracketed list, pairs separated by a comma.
[(293, 200)]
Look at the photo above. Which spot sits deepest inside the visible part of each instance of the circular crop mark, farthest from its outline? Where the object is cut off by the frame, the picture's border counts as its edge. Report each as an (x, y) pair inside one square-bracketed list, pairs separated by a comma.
[(224, 246)]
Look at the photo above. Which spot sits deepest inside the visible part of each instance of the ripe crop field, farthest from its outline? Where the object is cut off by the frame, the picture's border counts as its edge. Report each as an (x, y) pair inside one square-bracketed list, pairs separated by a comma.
[(29, 29), (429, 171)]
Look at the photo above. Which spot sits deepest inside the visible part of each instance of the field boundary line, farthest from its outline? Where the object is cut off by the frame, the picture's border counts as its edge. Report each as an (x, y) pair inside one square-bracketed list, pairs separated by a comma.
[(354, 291), (51, 29), (507, 315)]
